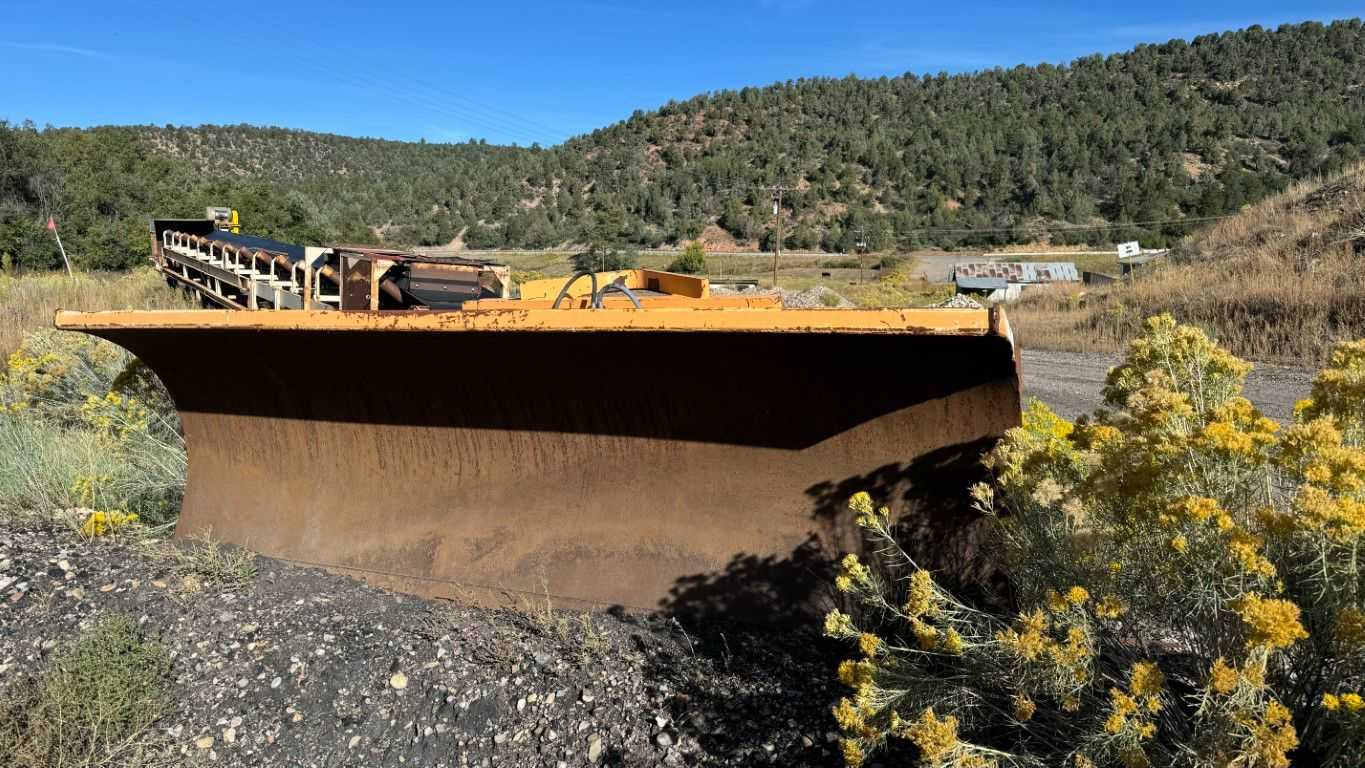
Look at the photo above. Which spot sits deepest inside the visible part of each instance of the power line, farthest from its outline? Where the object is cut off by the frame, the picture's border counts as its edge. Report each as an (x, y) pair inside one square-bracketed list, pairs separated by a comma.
[(1065, 227)]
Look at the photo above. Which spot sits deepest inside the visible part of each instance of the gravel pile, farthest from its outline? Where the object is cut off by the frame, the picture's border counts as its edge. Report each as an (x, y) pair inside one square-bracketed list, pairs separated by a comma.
[(960, 301), (300, 667), (818, 297)]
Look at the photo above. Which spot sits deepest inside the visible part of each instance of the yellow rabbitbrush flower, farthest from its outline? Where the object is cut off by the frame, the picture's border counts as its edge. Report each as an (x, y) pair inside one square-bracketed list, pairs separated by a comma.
[(1110, 607), (869, 644), (1222, 677), (1273, 737), (936, 737), (104, 523), (1238, 431), (857, 674), (852, 574), (867, 516), (1024, 707), (1339, 389), (1271, 623), (1145, 679), (1180, 525), (923, 599), (839, 625)]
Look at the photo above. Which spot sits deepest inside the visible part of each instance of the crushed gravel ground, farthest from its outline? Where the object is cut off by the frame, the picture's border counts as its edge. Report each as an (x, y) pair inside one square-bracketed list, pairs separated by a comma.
[(959, 301), (818, 297), (299, 667), (1072, 382)]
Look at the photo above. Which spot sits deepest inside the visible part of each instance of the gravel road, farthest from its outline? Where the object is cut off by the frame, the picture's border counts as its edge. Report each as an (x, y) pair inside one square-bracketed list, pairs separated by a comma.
[(1070, 382)]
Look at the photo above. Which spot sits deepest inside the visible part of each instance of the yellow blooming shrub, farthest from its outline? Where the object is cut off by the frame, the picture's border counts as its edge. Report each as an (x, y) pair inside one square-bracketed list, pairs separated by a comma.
[(98, 523), (85, 425), (1185, 582)]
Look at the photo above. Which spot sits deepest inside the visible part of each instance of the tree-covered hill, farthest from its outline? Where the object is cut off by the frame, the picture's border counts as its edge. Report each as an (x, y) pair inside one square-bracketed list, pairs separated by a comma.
[(1165, 132)]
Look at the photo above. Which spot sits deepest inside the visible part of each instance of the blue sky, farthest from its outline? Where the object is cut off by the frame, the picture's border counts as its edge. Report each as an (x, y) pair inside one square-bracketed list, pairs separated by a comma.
[(525, 71)]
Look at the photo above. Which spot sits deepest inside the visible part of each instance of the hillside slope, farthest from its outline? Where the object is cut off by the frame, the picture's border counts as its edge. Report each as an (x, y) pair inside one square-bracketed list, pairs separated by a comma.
[(1060, 153), (1281, 281)]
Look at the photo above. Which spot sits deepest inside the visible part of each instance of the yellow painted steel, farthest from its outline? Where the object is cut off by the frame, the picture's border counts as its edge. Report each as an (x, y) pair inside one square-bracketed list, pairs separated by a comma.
[(634, 279), (617, 301), (927, 321)]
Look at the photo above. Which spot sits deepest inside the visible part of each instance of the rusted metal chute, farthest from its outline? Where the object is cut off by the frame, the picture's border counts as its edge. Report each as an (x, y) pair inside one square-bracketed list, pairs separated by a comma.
[(692, 459)]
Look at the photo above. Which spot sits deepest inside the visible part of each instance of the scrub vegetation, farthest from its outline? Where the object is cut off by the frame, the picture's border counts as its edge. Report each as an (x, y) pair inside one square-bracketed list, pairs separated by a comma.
[(85, 427), (1185, 576), (1281, 281)]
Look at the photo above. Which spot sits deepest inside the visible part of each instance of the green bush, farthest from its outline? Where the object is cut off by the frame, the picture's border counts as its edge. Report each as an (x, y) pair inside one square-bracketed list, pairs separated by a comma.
[(692, 261), (1186, 576), (93, 705), (605, 258), (840, 264)]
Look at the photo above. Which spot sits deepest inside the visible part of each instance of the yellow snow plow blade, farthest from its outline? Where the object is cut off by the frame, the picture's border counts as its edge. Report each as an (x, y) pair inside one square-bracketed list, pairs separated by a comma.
[(692, 459)]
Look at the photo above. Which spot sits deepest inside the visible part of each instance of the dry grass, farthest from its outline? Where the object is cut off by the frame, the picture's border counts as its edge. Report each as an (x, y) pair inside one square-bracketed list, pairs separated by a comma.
[(1281, 282), (28, 302), (202, 562)]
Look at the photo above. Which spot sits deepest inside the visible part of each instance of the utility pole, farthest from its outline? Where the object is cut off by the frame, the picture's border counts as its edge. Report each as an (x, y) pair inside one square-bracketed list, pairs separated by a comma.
[(861, 246), (777, 214)]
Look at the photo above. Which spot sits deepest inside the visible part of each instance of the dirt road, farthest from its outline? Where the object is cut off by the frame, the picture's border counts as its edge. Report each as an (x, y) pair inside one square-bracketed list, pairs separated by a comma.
[(1070, 382)]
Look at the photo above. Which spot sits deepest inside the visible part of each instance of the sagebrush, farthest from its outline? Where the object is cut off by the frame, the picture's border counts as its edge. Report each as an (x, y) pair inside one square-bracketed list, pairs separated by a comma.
[(92, 705), (1186, 585)]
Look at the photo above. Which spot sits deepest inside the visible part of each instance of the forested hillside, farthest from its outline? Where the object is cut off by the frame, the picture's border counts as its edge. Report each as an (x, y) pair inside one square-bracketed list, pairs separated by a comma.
[(1173, 131)]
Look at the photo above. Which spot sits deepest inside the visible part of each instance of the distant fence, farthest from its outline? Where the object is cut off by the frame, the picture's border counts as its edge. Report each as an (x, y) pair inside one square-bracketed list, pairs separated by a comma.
[(501, 253)]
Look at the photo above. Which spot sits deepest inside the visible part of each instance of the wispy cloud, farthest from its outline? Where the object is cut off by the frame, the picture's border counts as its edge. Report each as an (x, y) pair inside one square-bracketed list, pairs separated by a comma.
[(67, 50)]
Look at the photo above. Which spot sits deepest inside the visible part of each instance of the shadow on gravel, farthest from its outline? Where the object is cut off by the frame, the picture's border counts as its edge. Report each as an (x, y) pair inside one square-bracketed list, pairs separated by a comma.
[(752, 699)]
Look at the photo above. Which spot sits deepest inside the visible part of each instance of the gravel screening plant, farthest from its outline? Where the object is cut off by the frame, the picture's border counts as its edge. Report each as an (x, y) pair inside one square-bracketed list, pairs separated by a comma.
[(1186, 585)]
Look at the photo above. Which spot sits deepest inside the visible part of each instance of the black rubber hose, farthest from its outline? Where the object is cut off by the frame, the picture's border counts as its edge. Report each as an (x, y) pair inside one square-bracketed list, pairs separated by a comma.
[(597, 297), (573, 279)]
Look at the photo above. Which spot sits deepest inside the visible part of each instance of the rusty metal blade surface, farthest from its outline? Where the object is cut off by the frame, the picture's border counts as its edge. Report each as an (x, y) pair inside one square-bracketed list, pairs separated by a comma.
[(700, 471)]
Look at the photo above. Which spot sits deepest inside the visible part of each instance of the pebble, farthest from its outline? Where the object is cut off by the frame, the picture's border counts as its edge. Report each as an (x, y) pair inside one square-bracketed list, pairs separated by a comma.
[(399, 681), (204, 742), (594, 747)]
